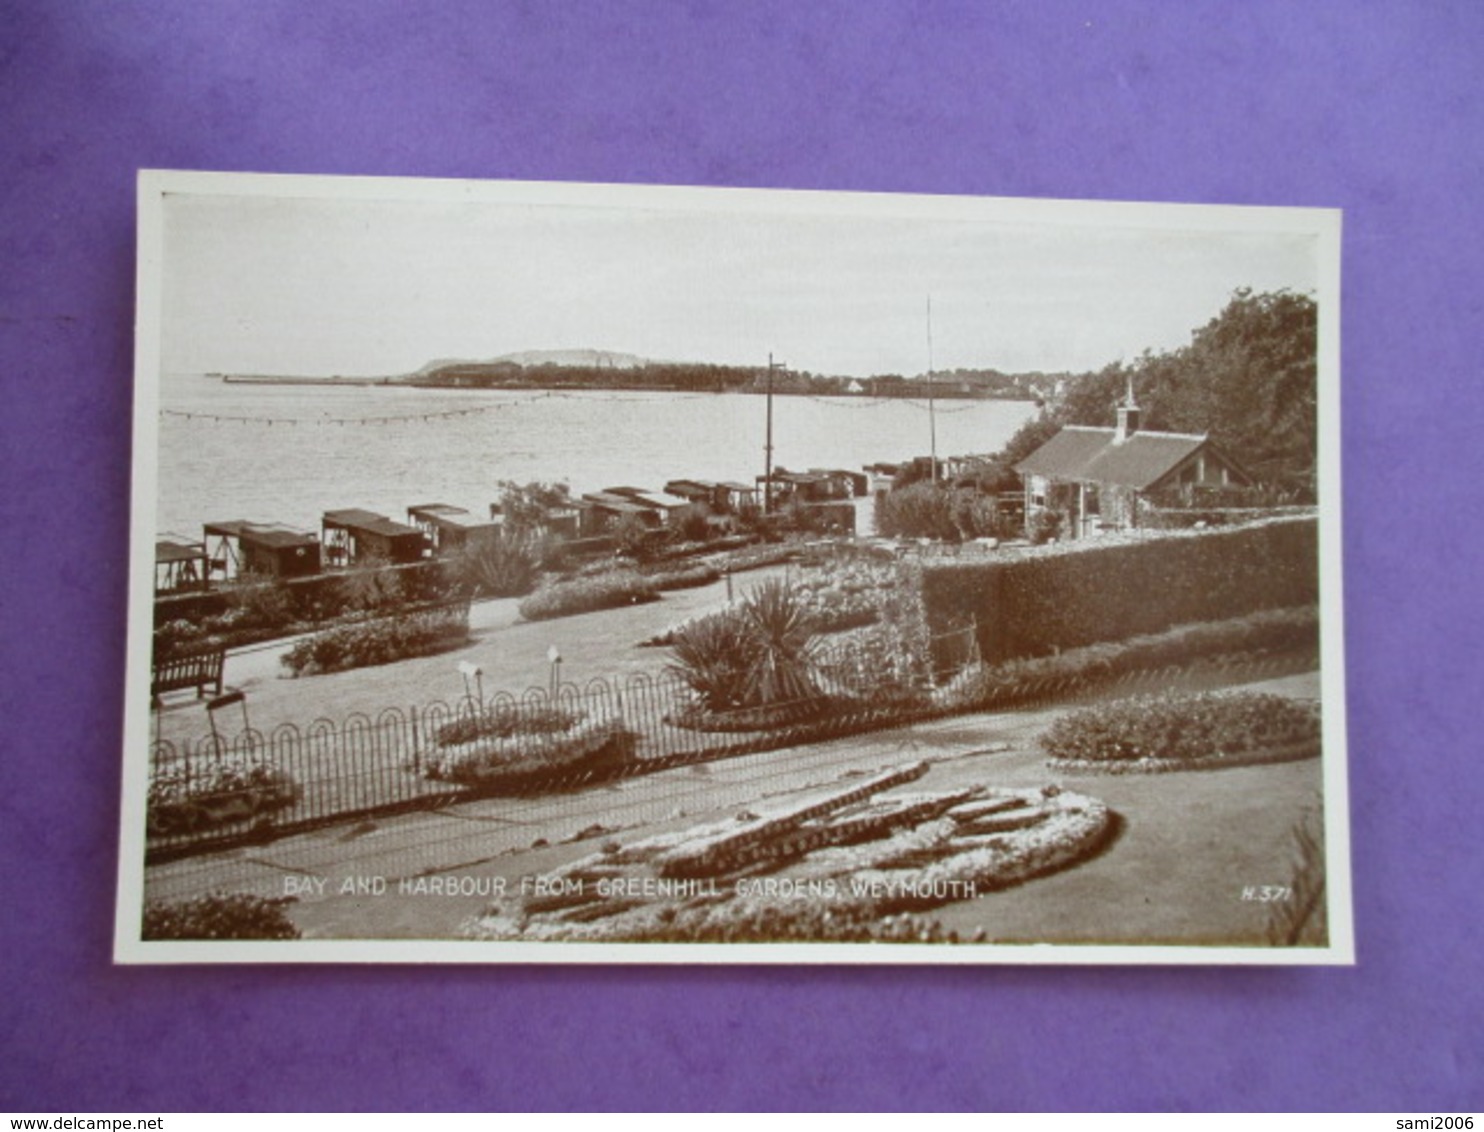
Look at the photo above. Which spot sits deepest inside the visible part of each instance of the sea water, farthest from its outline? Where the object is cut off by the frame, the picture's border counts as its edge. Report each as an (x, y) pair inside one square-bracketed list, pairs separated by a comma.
[(288, 453)]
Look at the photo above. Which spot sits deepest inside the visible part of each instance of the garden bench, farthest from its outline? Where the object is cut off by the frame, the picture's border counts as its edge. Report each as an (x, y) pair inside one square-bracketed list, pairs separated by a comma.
[(196, 668)]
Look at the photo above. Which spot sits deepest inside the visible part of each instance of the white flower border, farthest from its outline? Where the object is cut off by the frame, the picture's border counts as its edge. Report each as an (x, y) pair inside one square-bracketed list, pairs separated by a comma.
[(1074, 827)]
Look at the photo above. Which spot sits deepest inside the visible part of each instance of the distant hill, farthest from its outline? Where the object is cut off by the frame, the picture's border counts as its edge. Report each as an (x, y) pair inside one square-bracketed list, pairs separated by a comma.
[(527, 359)]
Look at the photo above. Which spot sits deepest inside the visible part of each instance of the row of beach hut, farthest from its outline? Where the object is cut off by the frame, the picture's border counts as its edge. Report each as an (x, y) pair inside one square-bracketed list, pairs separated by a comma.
[(352, 537)]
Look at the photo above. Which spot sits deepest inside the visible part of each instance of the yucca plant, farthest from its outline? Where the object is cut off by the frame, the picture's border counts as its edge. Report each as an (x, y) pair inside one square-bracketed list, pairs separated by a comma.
[(714, 656), (783, 645), (761, 653)]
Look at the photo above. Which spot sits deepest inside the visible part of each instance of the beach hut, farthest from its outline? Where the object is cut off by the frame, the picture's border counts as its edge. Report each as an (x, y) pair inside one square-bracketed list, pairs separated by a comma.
[(702, 493), (180, 565), (737, 497), (604, 510), (449, 529), (353, 537), (236, 547), (842, 483), (669, 510)]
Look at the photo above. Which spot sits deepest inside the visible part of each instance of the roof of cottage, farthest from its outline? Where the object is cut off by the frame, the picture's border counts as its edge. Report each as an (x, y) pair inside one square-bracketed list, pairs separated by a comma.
[(1090, 455)]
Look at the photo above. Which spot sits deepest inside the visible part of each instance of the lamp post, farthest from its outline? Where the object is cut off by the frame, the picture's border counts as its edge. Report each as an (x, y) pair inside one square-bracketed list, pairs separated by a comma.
[(473, 672)]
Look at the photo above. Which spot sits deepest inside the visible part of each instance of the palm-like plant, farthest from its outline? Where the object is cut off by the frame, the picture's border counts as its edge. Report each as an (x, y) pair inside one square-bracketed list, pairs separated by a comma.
[(714, 656), (759, 654), (783, 663)]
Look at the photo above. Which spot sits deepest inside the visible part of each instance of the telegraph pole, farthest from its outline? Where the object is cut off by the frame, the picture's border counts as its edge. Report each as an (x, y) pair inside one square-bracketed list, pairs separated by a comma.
[(932, 413), (768, 445)]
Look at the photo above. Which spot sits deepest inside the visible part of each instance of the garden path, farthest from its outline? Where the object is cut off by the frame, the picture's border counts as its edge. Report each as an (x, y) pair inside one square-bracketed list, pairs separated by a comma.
[(512, 653)]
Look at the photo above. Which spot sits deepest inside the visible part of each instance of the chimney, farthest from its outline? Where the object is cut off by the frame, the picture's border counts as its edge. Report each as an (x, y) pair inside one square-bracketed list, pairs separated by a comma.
[(1128, 415)]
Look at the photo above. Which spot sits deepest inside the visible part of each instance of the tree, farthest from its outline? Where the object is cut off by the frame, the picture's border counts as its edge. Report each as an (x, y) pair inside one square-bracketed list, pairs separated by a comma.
[(525, 507), (1248, 378), (1030, 436)]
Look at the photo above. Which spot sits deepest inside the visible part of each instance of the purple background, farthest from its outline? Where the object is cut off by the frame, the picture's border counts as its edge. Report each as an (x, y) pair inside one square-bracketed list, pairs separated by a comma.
[(1374, 108)]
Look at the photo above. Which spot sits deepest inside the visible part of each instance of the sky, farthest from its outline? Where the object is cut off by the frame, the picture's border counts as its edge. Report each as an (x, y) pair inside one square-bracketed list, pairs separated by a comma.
[(357, 284)]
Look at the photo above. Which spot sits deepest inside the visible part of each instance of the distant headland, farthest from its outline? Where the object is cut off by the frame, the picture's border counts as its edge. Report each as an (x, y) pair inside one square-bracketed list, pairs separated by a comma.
[(608, 370)]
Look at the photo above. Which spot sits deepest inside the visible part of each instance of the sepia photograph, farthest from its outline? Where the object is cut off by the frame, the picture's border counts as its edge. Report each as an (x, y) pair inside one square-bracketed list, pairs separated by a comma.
[(546, 572)]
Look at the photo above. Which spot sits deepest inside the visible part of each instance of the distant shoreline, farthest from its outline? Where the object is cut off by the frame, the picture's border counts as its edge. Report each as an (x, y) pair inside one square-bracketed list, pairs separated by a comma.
[(277, 379), (524, 385)]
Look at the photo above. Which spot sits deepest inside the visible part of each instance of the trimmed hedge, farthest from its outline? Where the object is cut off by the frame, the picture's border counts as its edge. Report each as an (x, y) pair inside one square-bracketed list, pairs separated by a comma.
[(1044, 600)]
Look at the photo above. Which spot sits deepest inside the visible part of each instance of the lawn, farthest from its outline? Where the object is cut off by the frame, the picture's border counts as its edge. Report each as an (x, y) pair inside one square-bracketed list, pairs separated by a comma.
[(511, 652)]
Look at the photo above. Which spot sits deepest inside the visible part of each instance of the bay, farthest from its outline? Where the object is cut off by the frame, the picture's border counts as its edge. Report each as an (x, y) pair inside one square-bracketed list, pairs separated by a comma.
[(288, 453)]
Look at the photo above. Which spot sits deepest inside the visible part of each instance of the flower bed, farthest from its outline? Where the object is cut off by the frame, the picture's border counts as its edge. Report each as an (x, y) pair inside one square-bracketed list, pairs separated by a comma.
[(843, 868), (588, 594), (219, 915), (769, 717), (684, 578), (1152, 734), (223, 792), (510, 749), (381, 641)]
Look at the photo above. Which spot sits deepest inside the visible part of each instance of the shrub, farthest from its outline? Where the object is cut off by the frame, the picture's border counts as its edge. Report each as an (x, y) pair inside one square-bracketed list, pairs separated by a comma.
[(174, 634), (758, 653), (219, 915), (373, 588), (1300, 920), (528, 508), (879, 665), (713, 655), (687, 578), (846, 591), (927, 510), (694, 524), (1182, 728), (182, 800), (379, 642), (1046, 526), (259, 603), (778, 624), (551, 551), (636, 539), (585, 595), (500, 567)]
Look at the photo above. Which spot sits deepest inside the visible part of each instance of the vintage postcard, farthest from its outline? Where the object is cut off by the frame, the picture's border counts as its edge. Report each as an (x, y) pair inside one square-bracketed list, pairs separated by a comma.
[(576, 573)]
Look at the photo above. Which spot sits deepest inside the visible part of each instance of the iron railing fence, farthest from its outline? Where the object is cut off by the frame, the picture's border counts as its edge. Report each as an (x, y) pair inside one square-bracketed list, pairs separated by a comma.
[(219, 790), (223, 789)]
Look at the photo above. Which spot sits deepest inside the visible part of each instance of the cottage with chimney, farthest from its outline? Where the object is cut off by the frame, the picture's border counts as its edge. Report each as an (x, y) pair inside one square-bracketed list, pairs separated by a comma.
[(1098, 476)]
